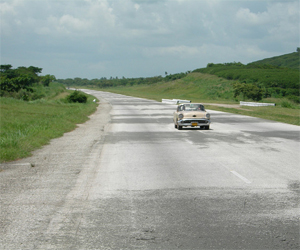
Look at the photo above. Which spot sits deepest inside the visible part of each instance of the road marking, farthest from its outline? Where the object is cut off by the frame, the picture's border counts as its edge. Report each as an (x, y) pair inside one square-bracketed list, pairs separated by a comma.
[(241, 177)]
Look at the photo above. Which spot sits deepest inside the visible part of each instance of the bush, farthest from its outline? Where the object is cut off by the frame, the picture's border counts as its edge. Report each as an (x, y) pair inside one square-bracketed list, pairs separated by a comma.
[(77, 96), (295, 99), (250, 91), (287, 104)]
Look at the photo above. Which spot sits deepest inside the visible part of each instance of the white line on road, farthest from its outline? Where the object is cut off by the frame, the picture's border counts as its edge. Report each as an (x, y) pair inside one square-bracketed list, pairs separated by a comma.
[(241, 177)]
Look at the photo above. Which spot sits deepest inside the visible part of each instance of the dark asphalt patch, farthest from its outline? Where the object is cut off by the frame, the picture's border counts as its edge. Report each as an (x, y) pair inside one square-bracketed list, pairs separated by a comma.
[(159, 121), (289, 135), (138, 137), (201, 218)]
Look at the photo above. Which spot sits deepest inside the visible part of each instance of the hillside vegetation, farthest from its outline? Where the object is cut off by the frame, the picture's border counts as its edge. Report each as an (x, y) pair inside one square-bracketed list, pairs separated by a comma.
[(291, 60), (254, 81), (194, 86)]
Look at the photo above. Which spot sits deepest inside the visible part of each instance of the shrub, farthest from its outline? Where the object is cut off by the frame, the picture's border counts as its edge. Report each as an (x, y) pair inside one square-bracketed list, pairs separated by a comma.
[(77, 96), (295, 99), (250, 91), (287, 104)]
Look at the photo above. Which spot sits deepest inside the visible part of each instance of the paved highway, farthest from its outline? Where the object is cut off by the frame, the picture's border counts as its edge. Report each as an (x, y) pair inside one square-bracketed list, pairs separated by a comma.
[(127, 179)]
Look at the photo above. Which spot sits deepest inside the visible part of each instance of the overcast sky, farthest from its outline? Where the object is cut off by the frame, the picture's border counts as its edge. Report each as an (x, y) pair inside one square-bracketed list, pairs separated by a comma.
[(142, 38)]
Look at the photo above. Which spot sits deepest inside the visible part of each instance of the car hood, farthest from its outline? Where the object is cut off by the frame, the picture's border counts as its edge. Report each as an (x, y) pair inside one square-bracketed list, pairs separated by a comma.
[(194, 114)]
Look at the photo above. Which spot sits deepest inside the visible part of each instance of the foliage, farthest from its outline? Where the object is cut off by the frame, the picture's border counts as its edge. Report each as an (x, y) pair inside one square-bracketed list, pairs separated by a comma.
[(22, 82), (107, 83), (47, 79), (248, 91), (114, 82), (175, 77), (291, 60), (287, 104), (16, 83), (77, 96), (256, 80)]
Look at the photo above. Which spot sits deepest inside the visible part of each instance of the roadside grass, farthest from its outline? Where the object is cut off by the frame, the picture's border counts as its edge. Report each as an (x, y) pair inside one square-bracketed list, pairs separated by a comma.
[(26, 126), (206, 88)]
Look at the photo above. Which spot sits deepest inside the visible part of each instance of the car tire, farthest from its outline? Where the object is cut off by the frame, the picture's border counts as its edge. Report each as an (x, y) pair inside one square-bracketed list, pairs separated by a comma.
[(179, 127), (206, 127), (175, 125)]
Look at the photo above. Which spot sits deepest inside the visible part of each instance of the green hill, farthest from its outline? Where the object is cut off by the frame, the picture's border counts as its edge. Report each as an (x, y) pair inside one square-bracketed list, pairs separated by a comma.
[(256, 81), (291, 60)]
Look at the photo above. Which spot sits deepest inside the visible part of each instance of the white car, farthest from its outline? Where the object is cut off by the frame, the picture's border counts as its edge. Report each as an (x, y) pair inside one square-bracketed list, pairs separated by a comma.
[(192, 115)]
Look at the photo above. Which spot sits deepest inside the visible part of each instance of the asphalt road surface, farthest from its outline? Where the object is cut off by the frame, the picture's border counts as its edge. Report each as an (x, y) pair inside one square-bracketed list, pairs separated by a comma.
[(127, 179)]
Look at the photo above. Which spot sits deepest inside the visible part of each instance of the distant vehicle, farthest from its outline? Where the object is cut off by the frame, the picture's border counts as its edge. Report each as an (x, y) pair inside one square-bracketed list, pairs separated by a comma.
[(191, 115)]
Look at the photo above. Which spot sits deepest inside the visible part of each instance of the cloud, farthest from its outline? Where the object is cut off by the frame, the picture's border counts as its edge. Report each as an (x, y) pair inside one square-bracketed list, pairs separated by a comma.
[(181, 51), (276, 27), (64, 25), (148, 1), (95, 38), (247, 17)]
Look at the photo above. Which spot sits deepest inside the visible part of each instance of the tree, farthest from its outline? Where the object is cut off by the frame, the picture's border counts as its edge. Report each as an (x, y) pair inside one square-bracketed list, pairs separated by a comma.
[(249, 91), (253, 92), (238, 89), (16, 83), (31, 71), (47, 79), (35, 70), (77, 96), (5, 67), (7, 71)]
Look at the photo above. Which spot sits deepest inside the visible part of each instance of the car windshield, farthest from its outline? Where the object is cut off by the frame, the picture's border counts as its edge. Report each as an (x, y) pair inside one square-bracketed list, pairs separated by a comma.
[(192, 107)]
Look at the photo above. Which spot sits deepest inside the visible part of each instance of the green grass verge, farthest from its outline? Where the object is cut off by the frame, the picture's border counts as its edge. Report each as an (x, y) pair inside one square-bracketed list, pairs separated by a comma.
[(26, 126)]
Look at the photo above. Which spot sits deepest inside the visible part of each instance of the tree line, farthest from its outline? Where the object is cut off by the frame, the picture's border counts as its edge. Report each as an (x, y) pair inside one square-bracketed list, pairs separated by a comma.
[(115, 82)]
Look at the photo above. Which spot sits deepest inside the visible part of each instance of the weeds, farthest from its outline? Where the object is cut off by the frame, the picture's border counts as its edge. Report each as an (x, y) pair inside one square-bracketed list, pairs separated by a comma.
[(288, 104)]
